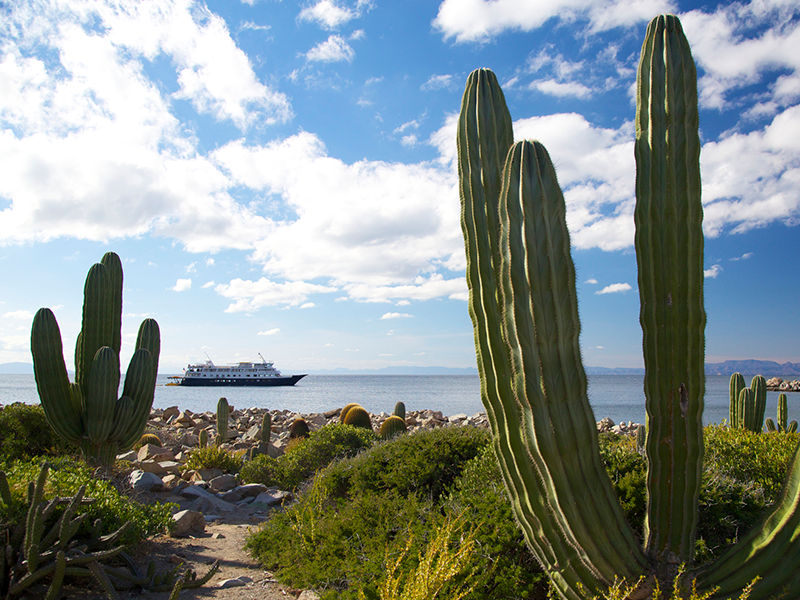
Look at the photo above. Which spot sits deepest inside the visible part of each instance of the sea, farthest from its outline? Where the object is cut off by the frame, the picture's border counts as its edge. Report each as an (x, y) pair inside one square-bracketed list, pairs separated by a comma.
[(619, 397)]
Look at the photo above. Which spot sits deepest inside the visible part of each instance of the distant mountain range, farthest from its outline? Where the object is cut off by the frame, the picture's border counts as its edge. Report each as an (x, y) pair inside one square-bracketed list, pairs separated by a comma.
[(767, 368)]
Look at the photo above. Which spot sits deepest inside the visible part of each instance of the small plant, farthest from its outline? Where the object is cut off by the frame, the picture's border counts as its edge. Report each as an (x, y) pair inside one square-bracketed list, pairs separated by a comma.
[(202, 439), (436, 568), (393, 426), (299, 429), (214, 457), (400, 410)]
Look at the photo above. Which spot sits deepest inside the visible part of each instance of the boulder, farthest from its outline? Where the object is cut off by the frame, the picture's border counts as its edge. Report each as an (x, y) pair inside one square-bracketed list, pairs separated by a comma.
[(188, 523), (142, 481)]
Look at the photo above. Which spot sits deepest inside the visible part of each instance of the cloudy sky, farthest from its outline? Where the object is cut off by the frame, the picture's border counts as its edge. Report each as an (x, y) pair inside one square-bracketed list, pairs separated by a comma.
[(279, 176)]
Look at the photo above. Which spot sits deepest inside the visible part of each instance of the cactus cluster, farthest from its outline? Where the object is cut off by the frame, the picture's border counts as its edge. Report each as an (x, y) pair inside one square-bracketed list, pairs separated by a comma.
[(88, 413), (524, 310), (747, 405), (345, 410), (45, 545)]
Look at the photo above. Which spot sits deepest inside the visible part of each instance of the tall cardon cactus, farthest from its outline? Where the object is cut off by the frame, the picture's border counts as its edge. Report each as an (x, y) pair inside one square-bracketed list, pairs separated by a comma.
[(748, 405), (524, 310), (87, 412)]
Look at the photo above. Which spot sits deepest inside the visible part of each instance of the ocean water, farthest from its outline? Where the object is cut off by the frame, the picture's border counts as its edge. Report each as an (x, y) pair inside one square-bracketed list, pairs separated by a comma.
[(619, 397)]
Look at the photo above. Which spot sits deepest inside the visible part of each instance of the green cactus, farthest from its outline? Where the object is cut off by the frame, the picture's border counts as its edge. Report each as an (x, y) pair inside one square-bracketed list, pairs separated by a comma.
[(88, 413), (641, 437), (523, 306), (758, 385), (392, 427), (736, 386), (202, 439), (783, 412), (770, 426), (266, 429), (792, 427), (358, 417), (345, 410), (150, 438), (400, 410), (299, 429), (223, 411)]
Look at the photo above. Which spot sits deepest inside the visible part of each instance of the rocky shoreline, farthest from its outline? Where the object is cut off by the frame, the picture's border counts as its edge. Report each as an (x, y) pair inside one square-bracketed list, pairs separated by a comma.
[(210, 495), (776, 384)]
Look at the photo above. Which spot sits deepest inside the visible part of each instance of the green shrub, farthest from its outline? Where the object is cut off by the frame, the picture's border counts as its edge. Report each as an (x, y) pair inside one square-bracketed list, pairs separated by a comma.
[(65, 478), (425, 462), (214, 457), (627, 469), (302, 460), (506, 566), (25, 433)]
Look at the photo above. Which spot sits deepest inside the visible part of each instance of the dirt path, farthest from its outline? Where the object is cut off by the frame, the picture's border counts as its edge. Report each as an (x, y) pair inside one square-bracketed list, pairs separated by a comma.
[(221, 541)]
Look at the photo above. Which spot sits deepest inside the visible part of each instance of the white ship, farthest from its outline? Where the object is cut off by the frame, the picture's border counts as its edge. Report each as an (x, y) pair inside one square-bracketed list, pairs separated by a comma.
[(239, 374)]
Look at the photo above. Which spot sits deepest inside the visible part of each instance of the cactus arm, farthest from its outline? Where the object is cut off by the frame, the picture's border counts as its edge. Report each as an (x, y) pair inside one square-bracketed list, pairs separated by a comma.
[(140, 388), (52, 381), (95, 326), (113, 267), (542, 331), (101, 400), (759, 387), (770, 551), (782, 412), (669, 251), (747, 409)]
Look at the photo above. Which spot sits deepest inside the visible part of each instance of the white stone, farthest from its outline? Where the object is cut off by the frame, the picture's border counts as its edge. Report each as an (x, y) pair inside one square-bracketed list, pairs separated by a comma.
[(188, 523)]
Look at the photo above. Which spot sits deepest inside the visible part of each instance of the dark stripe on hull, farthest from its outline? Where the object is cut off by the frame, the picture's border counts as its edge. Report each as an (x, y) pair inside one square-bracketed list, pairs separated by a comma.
[(208, 381)]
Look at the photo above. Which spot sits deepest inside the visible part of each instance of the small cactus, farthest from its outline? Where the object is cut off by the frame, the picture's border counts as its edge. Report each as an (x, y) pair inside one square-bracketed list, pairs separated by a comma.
[(266, 428), (783, 412), (345, 410), (202, 439), (299, 429), (358, 417), (392, 427), (149, 438), (770, 426), (400, 410), (223, 410), (792, 427)]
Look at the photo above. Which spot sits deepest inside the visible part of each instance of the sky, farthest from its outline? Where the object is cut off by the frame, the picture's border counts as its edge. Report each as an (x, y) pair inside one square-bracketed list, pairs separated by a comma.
[(279, 177)]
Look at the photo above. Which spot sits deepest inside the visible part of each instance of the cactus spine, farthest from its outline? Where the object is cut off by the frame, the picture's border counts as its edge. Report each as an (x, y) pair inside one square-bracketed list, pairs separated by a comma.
[(524, 312), (222, 421), (88, 413)]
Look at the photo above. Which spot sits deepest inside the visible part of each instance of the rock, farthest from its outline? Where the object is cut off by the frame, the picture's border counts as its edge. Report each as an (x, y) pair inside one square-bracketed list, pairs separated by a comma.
[(152, 466), (605, 424), (142, 481), (172, 411), (273, 497), (130, 456), (229, 583), (243, 491), (149, 451), (196, 492), (223, 483), (188, 523), (308, 595)]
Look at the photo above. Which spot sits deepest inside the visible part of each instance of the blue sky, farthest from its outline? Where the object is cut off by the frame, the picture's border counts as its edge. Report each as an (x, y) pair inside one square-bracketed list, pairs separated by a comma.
[(279, 176)]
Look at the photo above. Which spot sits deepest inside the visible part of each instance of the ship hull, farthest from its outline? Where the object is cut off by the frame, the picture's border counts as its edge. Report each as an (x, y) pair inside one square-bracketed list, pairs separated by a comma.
[(239, 382)]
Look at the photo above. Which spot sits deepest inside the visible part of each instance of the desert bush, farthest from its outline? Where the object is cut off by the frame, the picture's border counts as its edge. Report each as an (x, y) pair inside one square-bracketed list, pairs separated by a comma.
[(214, 457), (303, 459), (425, 462), (25, 433)]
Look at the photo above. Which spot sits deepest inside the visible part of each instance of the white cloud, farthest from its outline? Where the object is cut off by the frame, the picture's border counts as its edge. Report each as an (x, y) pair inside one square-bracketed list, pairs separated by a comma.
[(712, 272), (744, 256), (394, 315), (440, 82), (614, 288), (334, 49), (270, 331), (327, 14), (252, 295), (733, 56), (22, 315), (407, 125), (308, 305), (208, 284), (561, 90), (209, 262), (409, 141), (480, 20), (592, 281), (182, 285)]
